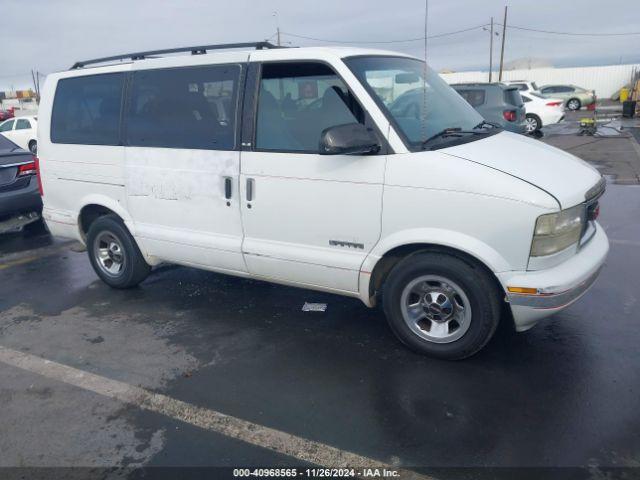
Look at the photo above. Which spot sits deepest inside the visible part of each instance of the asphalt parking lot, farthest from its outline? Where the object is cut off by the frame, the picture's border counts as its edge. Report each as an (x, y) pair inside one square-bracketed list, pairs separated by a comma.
[(94, 377)]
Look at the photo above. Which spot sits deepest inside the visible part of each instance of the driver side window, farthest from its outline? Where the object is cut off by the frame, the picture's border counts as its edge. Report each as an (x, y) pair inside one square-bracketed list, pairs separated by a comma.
[(297, 101)]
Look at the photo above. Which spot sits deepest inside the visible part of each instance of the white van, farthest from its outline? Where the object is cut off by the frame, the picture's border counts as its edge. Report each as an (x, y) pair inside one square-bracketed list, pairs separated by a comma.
[(309, 167)]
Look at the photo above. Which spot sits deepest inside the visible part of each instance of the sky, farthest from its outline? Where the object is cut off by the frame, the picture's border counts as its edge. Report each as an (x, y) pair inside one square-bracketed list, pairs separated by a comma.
[(50, 35)]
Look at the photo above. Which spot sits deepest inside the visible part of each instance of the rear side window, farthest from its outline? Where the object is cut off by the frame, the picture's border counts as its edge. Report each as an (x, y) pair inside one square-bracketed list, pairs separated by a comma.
[(192, 107), (6, 126), (475, 98), (512, 97), (23, 124), (86, 110)]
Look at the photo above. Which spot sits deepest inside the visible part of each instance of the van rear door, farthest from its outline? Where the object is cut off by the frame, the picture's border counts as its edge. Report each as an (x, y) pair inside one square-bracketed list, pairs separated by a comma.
[(182, 162)]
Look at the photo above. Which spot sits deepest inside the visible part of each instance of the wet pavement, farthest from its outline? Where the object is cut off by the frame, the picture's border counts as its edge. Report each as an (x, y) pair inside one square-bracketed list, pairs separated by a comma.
[(564, 394)]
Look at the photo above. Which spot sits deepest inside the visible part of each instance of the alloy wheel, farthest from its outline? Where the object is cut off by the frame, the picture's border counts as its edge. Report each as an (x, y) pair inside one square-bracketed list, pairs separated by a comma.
[(436, 309)]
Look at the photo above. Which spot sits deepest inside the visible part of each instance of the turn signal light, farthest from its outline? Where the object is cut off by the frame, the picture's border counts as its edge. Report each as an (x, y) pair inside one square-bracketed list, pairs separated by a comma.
[(524, 290)]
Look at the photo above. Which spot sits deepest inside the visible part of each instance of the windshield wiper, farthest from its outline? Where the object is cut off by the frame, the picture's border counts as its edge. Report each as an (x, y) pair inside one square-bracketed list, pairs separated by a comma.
[(451, 132), (484, 123)]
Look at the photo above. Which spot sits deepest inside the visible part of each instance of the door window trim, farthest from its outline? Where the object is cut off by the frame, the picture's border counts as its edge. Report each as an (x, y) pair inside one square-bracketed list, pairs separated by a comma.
[(250, 108)]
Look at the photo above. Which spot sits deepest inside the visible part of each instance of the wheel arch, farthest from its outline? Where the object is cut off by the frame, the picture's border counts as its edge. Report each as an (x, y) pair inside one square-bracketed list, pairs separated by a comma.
[(379, 263), (95, 206)]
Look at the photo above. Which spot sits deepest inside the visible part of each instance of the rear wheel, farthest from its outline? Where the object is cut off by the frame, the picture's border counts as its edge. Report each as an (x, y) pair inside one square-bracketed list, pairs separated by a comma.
[(532, 123), (573, 104), (440, 305), (33, 146), (114, 255)]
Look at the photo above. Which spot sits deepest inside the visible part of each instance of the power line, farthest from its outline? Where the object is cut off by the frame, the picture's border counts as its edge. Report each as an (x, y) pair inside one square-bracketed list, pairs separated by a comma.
[(552, 32), (406, 40), (456, 32)]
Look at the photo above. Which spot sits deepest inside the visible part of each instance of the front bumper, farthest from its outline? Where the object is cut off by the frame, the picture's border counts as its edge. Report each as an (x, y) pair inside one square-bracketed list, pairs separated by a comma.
[(558, 287)]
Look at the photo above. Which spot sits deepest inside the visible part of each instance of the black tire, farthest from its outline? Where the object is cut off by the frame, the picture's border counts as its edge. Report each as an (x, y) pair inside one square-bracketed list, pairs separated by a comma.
[(480, 290), (574, 104), (33, 147), (534, 118), (134, 268)]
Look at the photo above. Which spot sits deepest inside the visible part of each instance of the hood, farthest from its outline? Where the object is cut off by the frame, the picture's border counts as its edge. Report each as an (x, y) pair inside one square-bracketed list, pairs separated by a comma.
[(564, 176)]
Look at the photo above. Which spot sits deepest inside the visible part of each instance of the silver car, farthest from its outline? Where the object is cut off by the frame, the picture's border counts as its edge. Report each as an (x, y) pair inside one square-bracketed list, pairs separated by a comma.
[(574, 97)]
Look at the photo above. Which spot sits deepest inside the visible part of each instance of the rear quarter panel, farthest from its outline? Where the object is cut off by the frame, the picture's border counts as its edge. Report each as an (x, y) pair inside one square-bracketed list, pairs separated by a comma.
[(74, 176)]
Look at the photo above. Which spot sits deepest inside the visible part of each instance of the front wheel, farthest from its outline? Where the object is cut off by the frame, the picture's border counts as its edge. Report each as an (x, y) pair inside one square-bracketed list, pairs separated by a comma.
[(441, 305), (114, 255)]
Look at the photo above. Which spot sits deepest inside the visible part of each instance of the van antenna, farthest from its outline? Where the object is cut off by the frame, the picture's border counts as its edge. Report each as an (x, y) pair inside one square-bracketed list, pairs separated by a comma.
[(424, 72)]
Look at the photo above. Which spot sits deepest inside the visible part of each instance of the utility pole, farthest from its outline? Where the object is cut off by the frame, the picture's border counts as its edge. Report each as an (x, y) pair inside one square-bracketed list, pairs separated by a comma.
[(278, 32), (35, 85), (491, 51), (504, 34)]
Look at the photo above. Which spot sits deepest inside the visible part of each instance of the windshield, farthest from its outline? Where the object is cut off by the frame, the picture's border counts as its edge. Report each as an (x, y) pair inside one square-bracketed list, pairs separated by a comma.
[(419, 108)]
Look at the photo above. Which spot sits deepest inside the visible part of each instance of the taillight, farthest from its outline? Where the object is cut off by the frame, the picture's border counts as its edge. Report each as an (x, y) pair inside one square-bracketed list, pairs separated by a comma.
[(36, 160), (27, 169), (554, 104), (509, 115)]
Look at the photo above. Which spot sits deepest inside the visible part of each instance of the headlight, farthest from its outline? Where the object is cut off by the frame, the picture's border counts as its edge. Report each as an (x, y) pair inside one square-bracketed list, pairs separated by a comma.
[(556, 231)]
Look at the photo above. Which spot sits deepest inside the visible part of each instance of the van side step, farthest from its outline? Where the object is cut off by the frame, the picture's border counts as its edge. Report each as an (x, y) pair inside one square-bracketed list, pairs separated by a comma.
[(197, 50)]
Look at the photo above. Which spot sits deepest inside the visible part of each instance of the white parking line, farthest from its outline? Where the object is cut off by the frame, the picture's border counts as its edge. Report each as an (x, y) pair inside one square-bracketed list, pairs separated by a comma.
[(252, 433)]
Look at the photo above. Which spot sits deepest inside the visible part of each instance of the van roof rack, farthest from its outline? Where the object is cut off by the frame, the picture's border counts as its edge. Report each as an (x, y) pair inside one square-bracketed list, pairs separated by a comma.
[(197, 50)]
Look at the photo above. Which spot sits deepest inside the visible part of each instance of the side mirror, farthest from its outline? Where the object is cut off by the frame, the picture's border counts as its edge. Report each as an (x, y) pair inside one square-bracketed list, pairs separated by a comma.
[(349, 139)]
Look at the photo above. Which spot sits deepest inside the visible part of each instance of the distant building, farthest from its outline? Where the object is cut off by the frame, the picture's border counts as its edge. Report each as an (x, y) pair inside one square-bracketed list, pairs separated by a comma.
[(21, 94)]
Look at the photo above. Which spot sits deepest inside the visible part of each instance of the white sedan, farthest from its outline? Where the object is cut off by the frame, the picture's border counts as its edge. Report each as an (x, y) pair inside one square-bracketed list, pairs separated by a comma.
[(541, 111), (23, 131)]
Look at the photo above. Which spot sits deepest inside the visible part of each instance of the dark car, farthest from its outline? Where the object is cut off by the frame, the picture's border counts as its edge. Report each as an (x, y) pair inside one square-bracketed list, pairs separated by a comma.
[(5, 114), (20, 201), (496, 102)]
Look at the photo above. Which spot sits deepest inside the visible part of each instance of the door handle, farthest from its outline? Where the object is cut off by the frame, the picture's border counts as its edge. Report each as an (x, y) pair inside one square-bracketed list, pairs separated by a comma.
[(250, 189), (227, 187)]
